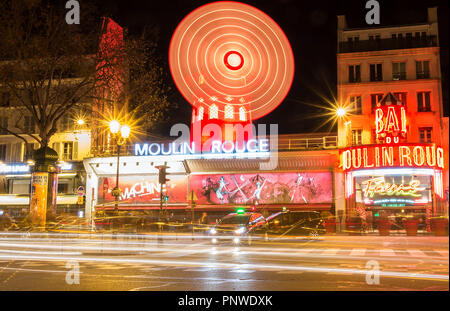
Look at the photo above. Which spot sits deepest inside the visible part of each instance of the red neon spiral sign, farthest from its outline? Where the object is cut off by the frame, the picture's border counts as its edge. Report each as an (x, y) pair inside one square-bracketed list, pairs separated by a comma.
[(231, 53)]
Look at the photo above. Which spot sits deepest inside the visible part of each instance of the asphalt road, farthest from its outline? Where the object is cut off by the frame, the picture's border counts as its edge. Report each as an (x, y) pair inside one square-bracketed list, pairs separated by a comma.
[(148, 263)]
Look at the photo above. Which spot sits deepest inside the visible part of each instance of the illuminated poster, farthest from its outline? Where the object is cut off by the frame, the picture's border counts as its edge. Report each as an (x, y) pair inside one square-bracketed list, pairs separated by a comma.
[(38, 202), (143, 189), (394, 190), (270, 188)]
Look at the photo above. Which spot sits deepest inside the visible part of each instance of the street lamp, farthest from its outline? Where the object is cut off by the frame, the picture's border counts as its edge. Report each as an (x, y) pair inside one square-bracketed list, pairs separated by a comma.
[(115, 127), (341, 112)]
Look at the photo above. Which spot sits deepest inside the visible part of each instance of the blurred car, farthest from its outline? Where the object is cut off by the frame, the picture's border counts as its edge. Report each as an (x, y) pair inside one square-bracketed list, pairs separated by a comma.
[(295, 223), (236, 226)]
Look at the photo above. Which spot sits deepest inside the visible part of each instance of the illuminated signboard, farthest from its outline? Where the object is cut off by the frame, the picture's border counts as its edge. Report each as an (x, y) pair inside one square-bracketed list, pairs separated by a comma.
[(25, 168), (391, 129), (14, 168), (403, 155), (217, 147), (390, 120), (378, 185), (393, 190)]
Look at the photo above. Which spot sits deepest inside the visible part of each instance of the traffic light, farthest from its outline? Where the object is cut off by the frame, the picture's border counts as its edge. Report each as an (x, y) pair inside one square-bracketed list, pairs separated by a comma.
[(162, 174), (240, 211)]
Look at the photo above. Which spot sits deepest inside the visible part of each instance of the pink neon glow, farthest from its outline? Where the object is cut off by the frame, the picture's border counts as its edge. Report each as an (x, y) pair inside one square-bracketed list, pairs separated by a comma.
[(233, 52)]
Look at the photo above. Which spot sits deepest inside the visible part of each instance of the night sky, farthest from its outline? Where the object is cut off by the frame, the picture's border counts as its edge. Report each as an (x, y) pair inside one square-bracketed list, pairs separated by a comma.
[(311, 28)]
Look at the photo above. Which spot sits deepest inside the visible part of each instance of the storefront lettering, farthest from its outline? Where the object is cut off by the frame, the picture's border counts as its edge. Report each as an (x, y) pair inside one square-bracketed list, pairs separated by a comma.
[(379, 186), (393, 156), (217, 147), (140, 189)]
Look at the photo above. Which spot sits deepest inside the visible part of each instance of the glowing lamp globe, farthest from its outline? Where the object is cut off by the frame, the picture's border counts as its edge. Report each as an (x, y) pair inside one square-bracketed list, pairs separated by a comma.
[(231, 62), (114, 126)]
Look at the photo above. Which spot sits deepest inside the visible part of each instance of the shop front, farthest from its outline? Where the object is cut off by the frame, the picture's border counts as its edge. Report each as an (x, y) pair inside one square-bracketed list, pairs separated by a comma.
[(213, 186), (396, 182), (15, 179)]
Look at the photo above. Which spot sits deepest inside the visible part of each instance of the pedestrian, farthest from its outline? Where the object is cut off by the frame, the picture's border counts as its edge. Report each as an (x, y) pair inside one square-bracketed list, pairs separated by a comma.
[(204, 219)]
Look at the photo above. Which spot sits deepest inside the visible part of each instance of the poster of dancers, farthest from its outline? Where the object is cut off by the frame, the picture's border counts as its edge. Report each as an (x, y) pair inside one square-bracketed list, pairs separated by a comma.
[(268, 188)]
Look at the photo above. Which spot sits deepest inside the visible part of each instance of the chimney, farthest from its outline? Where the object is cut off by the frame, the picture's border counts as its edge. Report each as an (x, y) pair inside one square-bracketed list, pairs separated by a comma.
[(342, 22), (432, 15)]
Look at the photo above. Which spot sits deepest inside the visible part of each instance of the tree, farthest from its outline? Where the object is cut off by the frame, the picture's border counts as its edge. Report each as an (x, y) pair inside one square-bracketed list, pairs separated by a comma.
[(50, 68)]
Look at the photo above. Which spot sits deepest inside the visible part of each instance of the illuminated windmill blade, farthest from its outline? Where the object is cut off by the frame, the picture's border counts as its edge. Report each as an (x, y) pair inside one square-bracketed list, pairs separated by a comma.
[(232, 63)]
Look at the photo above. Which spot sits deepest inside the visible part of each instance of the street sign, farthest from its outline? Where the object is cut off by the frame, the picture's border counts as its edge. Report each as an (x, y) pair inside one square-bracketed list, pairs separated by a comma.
[(80, 191)]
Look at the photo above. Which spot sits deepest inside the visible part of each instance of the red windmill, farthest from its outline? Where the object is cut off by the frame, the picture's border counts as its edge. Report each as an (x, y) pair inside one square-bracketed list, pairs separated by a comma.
[(233, 64)]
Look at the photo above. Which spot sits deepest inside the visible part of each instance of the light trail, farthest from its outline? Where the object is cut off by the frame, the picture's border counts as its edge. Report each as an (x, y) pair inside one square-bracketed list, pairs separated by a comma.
[(155, 249), (232, 266)]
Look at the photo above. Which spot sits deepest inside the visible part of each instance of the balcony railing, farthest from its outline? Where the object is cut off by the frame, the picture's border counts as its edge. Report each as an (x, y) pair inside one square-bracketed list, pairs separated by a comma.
[(387, 44), (292, 144), (285, 143)]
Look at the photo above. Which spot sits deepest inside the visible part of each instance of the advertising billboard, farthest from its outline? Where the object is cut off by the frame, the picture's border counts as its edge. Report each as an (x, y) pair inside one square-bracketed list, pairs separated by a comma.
[(38, 203), (143, 189), (268, 188)]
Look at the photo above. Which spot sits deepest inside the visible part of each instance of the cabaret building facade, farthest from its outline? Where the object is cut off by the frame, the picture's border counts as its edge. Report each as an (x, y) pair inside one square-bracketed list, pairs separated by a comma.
[(393, 142), (300, 175), (388, 157)]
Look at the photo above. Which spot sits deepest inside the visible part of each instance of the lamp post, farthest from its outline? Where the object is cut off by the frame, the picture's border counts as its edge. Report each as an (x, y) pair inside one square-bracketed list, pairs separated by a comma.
[(115, 127)]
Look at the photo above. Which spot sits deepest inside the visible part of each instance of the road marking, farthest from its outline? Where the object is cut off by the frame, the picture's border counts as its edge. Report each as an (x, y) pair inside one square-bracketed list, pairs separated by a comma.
[(387, 252), (331, 251), (401, 252), (416, 253), (358, 252)]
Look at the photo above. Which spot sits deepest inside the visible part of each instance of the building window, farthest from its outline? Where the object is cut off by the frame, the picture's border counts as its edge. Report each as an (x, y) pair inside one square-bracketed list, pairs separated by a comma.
[(29, 150), (401, 97), (63, 188), (3, 125), (373, 137), (67, 151), (229, 111), (423, 102), (200, 114), (425, 134), (376, 72), (354, 73), (242, 116), (356, 137), (213, 112), (423, 69), (356, 104), (4, 99), (399, 71), (3, 152), (374, 99), (66, 123), (28, 124)]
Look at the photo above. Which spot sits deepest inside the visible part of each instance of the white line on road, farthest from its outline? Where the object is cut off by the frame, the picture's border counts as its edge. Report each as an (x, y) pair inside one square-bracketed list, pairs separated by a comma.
[(331, 251), (416, 253), (387, 252), (358, 252)]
